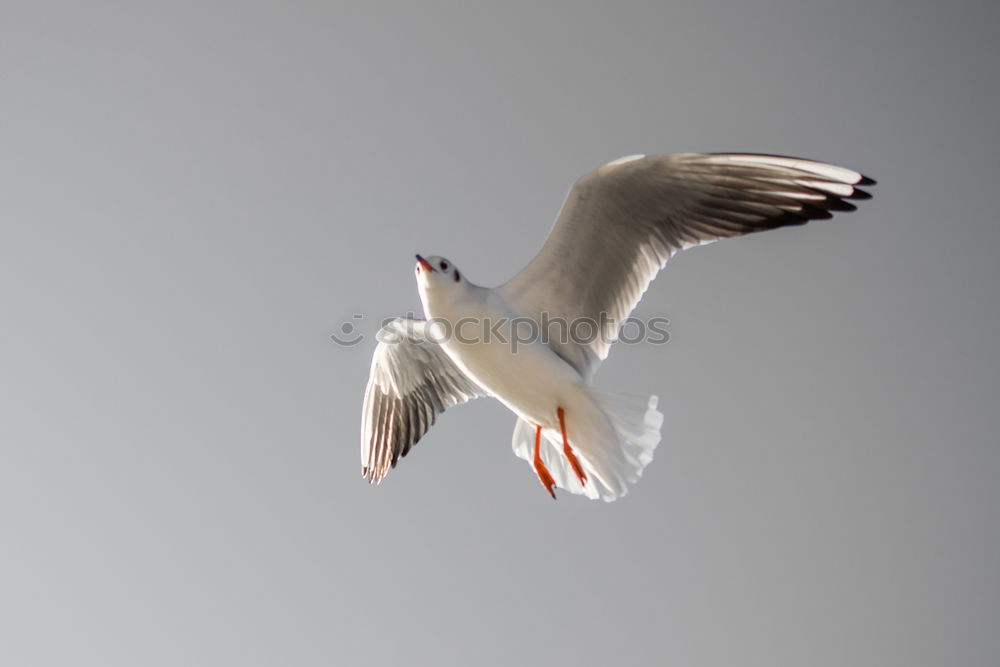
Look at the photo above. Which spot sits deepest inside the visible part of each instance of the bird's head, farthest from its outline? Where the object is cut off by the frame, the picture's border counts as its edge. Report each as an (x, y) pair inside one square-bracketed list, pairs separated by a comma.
[(438, 277), (436, 272)]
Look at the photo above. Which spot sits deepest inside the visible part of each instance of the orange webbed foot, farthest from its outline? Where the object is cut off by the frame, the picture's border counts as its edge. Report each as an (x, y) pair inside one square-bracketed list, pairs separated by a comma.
[(544, 476), (568, 451)]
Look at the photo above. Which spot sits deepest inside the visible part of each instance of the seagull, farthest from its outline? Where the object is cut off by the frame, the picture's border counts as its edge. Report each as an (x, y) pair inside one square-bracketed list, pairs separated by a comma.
[(616, 230)]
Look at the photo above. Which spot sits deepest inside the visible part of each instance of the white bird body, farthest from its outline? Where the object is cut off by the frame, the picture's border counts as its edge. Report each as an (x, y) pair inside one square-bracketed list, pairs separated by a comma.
[(531, 380), (617, 229)]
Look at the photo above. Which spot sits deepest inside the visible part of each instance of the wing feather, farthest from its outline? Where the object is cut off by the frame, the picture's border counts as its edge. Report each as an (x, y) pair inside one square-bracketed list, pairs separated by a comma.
[(621, 223), (411, 381)]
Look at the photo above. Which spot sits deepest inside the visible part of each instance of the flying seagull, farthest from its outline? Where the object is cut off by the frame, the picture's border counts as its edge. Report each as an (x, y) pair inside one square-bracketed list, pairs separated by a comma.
[(617, 228)]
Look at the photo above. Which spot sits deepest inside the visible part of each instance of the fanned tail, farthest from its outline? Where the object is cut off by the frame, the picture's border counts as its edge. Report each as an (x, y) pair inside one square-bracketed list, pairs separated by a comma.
[(614, 441)]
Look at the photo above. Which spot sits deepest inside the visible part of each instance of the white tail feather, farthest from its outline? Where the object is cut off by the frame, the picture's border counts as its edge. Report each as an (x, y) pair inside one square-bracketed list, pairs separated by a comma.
[(612, 462)]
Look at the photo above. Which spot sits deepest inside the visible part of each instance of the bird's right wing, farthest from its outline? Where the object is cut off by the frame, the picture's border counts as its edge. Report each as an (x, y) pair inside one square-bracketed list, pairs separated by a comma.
[(411, 382)]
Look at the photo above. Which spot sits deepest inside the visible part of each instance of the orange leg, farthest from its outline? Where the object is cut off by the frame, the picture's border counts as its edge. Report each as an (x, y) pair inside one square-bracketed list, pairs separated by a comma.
[(568, 451), (543, 473)]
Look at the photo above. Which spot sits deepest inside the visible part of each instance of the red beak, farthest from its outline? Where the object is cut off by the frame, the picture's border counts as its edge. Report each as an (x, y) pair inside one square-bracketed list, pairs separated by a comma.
[(424, 264)]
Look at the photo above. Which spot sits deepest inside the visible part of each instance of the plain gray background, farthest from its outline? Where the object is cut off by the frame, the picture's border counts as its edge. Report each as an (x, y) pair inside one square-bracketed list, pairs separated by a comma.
[(194, 196)]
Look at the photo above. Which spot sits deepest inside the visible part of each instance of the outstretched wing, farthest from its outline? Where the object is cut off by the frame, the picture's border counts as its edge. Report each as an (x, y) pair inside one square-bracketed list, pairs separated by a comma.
[(621, 223), (411, 382)]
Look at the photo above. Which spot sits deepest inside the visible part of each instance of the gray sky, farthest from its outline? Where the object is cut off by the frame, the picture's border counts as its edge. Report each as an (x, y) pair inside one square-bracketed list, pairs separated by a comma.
[(196, 195)]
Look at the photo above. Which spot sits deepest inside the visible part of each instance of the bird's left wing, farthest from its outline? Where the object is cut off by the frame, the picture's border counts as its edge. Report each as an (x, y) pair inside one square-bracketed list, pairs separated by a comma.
[(411, 382), (621, 223)]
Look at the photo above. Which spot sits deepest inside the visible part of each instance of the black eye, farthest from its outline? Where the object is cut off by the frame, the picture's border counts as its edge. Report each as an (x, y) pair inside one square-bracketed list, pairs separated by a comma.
[(456, 275), (444, 266)]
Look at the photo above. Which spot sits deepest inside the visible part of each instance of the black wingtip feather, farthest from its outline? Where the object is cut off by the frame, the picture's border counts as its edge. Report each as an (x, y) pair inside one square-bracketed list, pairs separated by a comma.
[(838, 204), (814, 212)]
